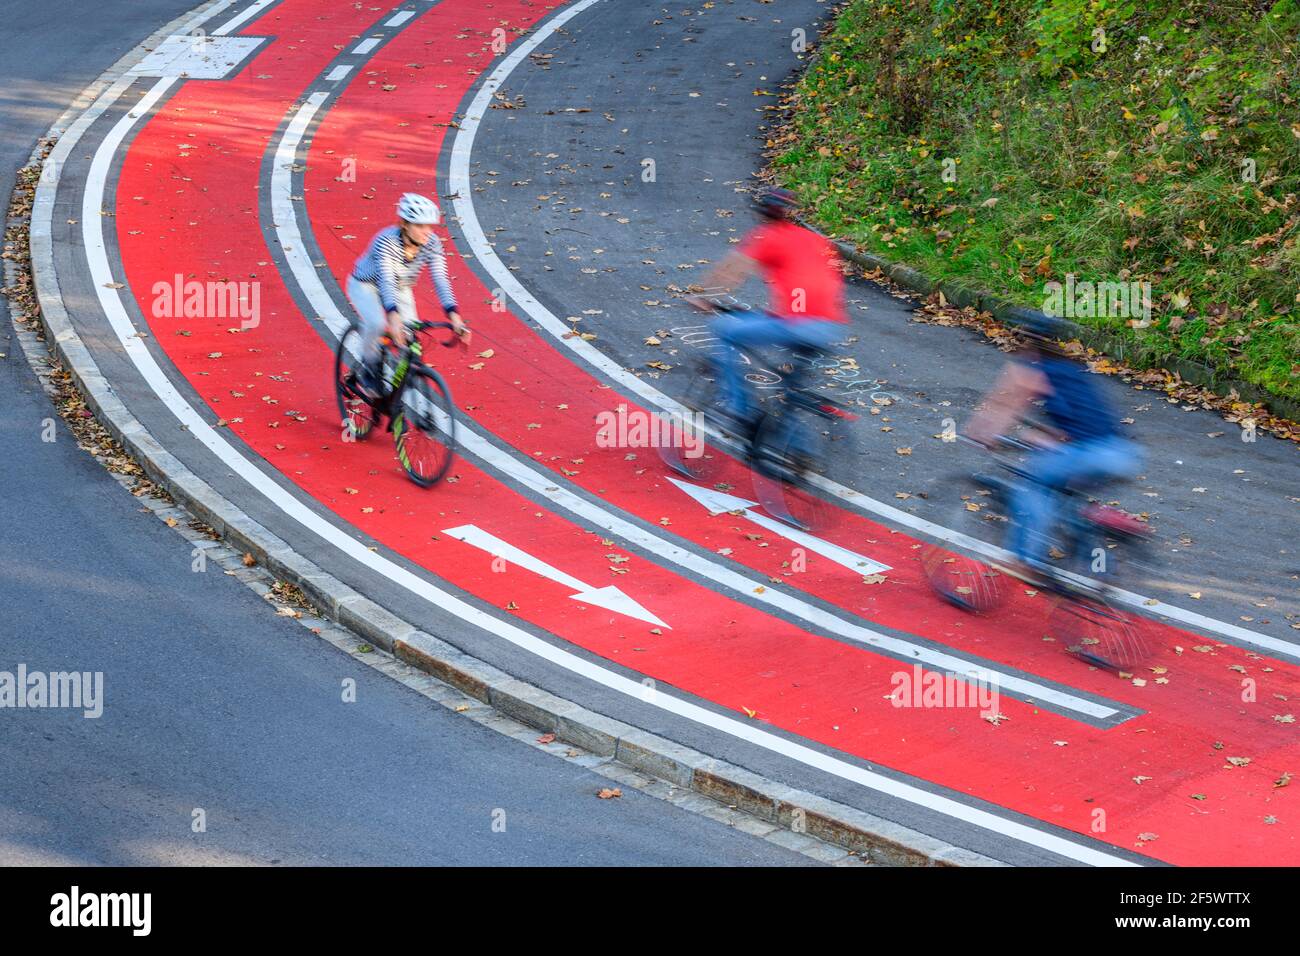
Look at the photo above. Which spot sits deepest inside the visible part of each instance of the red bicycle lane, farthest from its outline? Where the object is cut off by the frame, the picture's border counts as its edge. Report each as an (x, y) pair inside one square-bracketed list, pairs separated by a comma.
[(530, 396), (747, 654), (523, 386)]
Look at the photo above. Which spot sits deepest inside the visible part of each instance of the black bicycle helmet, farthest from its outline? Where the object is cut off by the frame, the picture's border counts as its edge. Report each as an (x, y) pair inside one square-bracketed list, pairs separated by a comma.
[(775, 203)]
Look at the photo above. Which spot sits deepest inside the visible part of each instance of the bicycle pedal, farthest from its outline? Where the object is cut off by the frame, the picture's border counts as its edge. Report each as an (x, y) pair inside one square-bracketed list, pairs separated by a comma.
[(841, 413)]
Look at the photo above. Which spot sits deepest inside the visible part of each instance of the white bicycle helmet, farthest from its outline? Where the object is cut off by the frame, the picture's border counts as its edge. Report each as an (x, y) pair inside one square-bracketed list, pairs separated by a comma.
[(417, 209)]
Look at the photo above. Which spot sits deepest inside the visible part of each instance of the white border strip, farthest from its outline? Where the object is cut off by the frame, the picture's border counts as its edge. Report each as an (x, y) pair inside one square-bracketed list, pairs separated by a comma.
[(244, 17), (462, 190)]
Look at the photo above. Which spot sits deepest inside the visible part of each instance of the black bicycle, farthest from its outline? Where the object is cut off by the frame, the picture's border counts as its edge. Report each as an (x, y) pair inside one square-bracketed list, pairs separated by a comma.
[(1090, 544), (415, 400), (789, 445)]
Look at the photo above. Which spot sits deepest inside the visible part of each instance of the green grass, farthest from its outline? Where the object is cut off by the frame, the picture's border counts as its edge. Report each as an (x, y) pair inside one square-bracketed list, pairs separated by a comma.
[(1123, 164)]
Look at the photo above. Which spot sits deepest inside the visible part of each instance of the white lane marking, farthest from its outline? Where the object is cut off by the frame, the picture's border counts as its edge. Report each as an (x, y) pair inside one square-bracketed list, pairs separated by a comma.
[(252, 11), (400, 18), (366, 45), (338, 73), (719, 502), (610, 597), (463, 201), (111, 302), (206, 58), (285, 220)]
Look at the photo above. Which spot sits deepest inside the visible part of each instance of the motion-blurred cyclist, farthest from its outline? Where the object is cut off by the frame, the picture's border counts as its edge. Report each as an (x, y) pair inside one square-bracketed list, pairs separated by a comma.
[(382, 285), (1080, 443), (807, 295)]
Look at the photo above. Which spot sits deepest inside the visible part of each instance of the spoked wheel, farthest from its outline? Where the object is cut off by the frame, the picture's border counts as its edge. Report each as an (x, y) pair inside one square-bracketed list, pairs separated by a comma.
[(357, 416), (423, 448), (686, 452), (963, 581), (1098, 633), (791, 449)]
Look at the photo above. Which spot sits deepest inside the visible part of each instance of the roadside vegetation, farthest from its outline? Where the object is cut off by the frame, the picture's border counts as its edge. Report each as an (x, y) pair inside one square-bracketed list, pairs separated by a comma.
[(1009, 144)]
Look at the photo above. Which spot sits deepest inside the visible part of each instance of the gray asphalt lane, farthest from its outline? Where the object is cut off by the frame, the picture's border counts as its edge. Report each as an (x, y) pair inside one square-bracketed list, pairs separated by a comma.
[(211, 702), (560, 180)]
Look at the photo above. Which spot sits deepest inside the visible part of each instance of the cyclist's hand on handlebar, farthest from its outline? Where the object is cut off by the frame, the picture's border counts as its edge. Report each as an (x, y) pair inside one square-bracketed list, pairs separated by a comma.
[(397, 330), (1041, 436), (460, 328), (980, 437)]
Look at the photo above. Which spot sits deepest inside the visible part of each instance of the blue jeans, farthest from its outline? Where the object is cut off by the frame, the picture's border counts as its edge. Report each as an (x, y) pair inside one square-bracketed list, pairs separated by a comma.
[(1073, 464), (752, 330)]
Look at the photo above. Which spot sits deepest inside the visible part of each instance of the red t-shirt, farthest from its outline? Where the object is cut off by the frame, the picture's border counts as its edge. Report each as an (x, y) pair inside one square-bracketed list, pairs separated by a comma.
[(801, 270)]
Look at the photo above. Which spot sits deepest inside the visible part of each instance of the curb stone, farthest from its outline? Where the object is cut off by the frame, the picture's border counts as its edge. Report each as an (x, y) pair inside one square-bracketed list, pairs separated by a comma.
[(798, 813)]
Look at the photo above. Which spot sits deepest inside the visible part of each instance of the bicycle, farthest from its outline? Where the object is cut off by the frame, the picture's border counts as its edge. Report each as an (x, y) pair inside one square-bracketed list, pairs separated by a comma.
[(416, 401), (1084, 616), (788, 446)]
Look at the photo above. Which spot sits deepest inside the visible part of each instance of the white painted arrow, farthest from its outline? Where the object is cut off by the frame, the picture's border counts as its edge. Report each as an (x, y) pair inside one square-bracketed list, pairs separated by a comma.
[(609, 597), (718, 502)]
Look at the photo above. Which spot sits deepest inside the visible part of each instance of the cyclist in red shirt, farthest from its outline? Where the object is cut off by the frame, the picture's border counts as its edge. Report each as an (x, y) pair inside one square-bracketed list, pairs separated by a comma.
[(807, 294)]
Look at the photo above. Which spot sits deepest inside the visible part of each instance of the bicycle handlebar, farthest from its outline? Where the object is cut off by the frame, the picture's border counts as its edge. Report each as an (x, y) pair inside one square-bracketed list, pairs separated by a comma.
[(1003, 441), (422, 326), (723, 302)]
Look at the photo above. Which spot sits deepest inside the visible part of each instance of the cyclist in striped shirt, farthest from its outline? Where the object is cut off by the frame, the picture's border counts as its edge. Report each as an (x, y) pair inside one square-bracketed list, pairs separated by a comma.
[(382, 285)]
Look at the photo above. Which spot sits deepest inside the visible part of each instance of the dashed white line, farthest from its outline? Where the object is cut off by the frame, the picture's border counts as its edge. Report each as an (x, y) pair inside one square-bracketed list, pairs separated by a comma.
[(366, 45)]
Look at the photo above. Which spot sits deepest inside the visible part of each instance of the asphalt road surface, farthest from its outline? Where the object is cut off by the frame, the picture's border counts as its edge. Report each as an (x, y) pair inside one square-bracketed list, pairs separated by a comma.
[(210, 701)]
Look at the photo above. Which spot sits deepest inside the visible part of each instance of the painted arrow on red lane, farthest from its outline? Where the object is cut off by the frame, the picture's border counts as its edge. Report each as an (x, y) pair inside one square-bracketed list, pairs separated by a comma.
[(719, 502), (609, 597)]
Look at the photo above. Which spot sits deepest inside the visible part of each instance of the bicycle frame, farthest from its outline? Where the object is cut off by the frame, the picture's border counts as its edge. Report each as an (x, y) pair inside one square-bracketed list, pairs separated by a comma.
[(412, 355), (1083, 537)]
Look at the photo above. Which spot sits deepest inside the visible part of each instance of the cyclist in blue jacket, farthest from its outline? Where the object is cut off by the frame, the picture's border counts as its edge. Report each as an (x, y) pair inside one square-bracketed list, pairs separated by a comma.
[(1079, 444)]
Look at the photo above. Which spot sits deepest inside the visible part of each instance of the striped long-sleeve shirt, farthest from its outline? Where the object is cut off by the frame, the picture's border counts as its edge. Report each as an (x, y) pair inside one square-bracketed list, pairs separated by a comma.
[(385, 265)]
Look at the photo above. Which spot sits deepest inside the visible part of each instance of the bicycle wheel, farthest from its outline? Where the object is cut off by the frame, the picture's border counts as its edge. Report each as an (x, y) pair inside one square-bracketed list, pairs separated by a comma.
[(425, 429), (1098, 633), (357, 417), (686, 453), (791, 448), (962, 581)]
